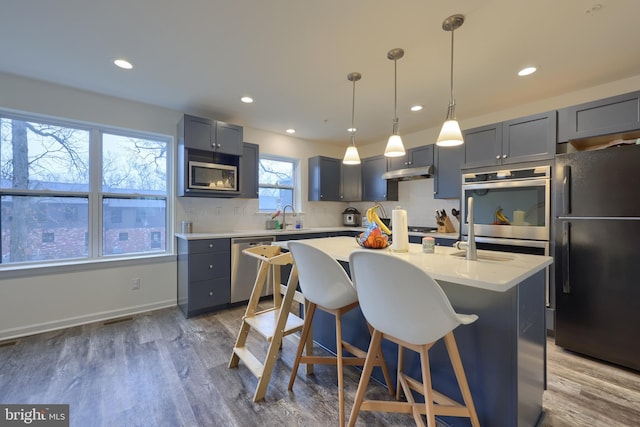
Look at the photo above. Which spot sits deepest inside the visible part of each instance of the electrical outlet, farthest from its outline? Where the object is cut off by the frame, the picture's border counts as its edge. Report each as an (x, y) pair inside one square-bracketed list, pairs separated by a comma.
[(135, 283)]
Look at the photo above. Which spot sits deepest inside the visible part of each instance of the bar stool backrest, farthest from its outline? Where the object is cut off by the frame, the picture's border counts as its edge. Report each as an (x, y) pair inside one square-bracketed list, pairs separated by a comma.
[(322, 279), (399, 299)]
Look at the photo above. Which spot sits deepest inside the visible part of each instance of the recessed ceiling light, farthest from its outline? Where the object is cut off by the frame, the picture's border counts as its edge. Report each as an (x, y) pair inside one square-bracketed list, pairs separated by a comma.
[(526, 71), (352, 130), (416, 108), (123, 63), (246, 99), (290, 130)]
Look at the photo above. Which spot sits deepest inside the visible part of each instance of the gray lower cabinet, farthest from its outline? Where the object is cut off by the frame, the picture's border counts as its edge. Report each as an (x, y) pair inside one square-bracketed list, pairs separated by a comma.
[(249, 171), (603, 117), (525, 139), (324, 179), (447, 178), (204, 275), (373, 186)]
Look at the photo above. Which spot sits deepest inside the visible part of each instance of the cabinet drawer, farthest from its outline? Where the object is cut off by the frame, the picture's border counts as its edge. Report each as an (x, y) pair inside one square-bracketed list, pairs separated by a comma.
[(211, 245), (209, 293), (209, 265)]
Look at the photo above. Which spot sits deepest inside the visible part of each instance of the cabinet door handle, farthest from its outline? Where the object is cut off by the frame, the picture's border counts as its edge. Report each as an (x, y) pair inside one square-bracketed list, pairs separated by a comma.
[(504, 156), (210, 267), (498, 157), (210, 294), (566, 239), (210, 245)]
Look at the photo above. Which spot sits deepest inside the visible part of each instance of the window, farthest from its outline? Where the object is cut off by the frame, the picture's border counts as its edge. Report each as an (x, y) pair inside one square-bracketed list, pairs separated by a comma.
[(71, 191), (276, 182)]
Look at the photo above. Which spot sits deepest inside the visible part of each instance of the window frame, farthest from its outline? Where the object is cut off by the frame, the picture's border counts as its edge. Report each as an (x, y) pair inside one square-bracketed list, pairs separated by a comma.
[(94, 195), (295, 186)]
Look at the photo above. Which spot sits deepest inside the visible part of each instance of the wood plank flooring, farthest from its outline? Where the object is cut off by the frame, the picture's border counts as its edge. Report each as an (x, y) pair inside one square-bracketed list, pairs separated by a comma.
[(160, 369)]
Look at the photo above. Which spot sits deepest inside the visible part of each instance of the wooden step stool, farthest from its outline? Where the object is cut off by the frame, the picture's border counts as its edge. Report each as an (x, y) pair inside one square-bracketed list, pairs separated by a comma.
[(274, 323)]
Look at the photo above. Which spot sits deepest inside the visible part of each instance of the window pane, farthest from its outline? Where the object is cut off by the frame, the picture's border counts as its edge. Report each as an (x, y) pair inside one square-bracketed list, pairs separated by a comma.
[(41, 156), (275, 172), (133, 225), (43, 228), (272, 199), (133, 165)]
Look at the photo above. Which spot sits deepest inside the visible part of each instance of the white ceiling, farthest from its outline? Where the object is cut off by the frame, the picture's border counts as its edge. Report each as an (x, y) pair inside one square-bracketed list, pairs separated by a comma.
[(293, 56)]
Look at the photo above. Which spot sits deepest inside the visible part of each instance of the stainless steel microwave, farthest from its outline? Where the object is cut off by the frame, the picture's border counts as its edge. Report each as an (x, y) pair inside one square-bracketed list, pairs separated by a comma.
[(212, 176)]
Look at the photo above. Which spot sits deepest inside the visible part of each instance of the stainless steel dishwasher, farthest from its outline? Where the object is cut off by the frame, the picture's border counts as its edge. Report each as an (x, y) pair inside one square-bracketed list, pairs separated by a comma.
[(244, 268)]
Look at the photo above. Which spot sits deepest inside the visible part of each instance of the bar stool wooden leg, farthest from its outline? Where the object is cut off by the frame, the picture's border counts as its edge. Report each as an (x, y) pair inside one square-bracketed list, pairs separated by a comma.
[(383, 366), (374, 348), (306, 329), (427, 387), (399, 372), (340, 367), (454, 355)]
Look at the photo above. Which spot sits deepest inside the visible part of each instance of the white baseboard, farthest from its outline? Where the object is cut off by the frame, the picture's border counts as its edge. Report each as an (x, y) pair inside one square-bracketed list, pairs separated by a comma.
[(8, 334)]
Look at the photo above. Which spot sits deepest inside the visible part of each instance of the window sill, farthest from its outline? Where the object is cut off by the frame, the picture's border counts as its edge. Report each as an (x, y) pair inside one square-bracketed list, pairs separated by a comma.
[(29, 270)]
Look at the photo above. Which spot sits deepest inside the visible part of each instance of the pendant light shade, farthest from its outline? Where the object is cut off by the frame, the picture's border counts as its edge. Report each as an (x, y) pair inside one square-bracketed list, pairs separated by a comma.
[(351, 156), (451, 135), (395, 148)]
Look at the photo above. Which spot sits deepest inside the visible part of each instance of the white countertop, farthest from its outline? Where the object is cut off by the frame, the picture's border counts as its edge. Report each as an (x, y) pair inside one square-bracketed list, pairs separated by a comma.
[(250, 233), (485, 274)]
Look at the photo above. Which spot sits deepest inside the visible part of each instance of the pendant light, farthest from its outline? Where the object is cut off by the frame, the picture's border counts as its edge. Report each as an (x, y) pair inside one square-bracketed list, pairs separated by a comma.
[(351, 156), (450, 135), (394, 145)]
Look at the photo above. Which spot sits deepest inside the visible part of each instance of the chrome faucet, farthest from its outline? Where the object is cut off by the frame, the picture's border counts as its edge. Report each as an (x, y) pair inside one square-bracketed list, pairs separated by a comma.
[(470, 244), (284, 215), (472, 254)]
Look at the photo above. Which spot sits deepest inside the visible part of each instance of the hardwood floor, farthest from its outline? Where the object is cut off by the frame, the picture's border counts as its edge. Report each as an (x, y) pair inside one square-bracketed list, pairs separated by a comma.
[(160, 369)]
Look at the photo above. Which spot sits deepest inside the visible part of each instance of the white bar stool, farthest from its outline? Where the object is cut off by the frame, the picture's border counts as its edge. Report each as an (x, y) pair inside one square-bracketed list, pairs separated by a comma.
[(406, 306), (325, 285)]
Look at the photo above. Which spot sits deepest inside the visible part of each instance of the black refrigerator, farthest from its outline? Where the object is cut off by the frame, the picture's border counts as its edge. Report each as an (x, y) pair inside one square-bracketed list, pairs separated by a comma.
[(597, 253)]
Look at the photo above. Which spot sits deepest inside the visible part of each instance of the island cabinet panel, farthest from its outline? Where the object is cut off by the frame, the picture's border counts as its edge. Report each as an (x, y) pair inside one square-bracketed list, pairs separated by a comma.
[(503, 353), (447, 179), (204, 275), (525, 139), (612, 115), (324, 179), (373, 186)]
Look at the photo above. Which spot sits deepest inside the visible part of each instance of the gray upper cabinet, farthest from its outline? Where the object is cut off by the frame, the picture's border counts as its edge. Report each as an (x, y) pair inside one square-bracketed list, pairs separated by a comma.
[(482, 145), (210, 135), (249, 171), (324, 179), (525, 139), (351, 183), (373, 186), (415, 157), (447, 179), (607, 116)]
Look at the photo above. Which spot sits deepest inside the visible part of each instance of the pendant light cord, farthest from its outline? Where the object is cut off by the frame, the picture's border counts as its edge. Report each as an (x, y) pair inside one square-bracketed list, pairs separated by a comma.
[(451, 75), (353, 113), (395, 89)]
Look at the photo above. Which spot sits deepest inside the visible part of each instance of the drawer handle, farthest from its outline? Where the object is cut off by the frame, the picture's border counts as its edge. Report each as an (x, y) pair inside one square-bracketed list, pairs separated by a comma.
[(210, 266), (210, 245), (210, 294)]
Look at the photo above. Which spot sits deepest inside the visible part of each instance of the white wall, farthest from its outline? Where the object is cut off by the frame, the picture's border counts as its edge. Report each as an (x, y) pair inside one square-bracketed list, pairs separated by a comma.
[(42, 301), (49, 299)]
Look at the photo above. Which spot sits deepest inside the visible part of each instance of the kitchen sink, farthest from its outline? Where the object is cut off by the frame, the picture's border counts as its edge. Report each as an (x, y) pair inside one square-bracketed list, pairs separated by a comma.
[(484, 256)]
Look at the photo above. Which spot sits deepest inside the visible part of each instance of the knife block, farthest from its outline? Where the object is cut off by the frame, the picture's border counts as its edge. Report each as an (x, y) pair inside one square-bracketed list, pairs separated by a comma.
[(447, 227)]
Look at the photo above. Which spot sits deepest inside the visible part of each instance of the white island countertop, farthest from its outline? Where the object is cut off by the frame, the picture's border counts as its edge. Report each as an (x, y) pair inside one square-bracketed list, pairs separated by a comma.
[(489, 273)]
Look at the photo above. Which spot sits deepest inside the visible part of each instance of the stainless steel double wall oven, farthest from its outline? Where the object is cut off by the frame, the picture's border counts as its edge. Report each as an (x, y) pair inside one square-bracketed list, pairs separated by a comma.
[(512, 209)]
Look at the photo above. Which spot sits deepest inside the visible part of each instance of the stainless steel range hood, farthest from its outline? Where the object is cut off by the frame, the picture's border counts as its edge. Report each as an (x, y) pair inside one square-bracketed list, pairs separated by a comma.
[(409, 174)]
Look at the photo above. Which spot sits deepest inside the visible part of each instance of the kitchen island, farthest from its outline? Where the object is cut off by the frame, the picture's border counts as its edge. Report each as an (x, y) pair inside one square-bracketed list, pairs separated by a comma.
[(504, 352)]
